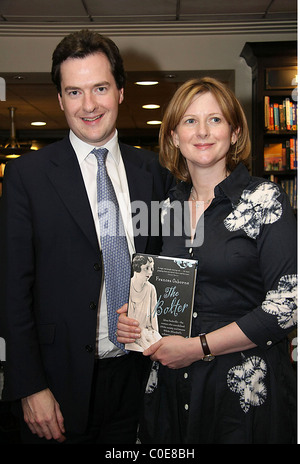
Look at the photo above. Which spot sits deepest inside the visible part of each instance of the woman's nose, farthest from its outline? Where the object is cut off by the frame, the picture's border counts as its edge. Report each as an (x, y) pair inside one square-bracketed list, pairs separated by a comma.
[(202, 129)]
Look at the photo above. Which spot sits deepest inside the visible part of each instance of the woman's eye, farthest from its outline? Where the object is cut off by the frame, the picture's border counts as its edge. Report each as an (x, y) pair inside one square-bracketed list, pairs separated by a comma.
[(215, 120), (190, 121)]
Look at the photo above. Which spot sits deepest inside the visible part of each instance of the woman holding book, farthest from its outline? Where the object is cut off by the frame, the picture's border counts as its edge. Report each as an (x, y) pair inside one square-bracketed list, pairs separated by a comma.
[(232, 382)]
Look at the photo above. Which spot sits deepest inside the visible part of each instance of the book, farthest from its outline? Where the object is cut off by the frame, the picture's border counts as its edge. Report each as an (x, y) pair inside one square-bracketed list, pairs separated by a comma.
[(276, 117), (267, 111), (288, 114), (274, 157), (161, 297), (293, 161), (282, 125)]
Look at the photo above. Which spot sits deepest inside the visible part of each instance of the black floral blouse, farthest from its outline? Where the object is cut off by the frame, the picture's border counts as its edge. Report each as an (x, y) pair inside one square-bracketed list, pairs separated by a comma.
[(245, 244)]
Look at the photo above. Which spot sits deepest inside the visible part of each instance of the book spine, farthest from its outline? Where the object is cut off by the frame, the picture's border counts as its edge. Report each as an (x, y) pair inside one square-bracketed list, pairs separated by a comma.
[(288, 114), (271, 117), (276, 116), (287, 150), (267, 111), (282, 125), (283, 156), (294, 117)]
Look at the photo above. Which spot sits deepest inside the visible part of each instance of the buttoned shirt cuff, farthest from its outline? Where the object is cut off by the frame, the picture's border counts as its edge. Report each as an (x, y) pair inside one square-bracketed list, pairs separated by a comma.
[(261, 329)]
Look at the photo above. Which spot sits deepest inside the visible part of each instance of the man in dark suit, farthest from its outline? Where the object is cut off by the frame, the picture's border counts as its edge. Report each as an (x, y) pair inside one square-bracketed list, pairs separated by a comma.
[(74, 384)]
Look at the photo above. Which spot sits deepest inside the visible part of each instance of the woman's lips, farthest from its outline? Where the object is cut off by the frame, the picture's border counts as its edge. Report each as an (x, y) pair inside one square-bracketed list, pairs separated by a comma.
[(203, 146)]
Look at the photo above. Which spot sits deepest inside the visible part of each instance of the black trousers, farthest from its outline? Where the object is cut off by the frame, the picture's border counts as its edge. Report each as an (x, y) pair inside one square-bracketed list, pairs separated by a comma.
[(117, 391)]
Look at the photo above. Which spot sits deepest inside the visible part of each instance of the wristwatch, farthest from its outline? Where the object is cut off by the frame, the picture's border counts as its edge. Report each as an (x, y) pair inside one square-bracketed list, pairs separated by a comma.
[(207, 354)]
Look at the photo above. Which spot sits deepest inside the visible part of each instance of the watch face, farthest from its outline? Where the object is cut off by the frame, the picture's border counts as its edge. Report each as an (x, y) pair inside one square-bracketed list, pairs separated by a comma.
[(208, 357)]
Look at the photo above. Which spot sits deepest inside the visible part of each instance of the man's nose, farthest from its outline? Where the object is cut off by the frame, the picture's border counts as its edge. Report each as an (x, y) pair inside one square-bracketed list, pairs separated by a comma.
[(89, 102)]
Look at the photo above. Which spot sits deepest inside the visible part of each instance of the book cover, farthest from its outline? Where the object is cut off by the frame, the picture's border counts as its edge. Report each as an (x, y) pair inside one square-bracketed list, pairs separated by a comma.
[(161, 297), (273, 157)]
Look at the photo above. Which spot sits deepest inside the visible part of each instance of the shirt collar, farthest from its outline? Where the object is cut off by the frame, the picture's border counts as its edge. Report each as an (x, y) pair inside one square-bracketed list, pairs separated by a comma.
[(83, 149), (232, 186)]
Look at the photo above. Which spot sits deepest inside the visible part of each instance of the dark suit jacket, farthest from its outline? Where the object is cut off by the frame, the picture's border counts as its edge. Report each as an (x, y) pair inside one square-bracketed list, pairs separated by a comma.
[(51, 271)]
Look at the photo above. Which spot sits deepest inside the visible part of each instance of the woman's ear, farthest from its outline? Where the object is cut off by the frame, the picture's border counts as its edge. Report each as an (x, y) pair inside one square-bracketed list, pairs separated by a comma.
[(175, 139), (234, 136)]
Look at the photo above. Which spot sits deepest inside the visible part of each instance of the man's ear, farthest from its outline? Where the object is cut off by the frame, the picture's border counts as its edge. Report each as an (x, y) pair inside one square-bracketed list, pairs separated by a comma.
[(60, 101), (121, 96)]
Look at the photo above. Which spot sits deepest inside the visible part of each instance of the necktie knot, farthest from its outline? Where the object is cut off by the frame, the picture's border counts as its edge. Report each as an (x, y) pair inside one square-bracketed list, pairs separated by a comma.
[(101, 154)]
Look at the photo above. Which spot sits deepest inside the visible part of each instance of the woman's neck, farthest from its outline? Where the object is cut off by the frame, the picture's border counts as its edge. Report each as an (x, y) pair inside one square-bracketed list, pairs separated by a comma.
[(204, 181)]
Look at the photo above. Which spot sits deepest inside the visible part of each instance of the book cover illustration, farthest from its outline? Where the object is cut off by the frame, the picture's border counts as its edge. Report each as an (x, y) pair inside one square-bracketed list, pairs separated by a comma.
[(161, 297)]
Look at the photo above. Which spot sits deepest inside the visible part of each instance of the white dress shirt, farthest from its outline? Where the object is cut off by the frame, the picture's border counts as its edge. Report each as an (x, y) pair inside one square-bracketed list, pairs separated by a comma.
[(116, 171)]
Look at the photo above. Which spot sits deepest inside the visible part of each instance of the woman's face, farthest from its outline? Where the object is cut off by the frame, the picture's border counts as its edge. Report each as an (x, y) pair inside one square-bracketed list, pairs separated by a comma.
[(146, 271), (203, 134)]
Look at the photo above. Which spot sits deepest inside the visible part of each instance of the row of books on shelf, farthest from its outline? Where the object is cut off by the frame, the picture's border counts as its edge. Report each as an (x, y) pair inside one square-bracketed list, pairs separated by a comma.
[(281, 116), (289, 186), (281, 156)]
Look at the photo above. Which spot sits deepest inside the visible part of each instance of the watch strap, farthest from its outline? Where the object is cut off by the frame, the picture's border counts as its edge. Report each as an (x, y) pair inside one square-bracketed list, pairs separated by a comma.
[(204, 344), (205, 348)]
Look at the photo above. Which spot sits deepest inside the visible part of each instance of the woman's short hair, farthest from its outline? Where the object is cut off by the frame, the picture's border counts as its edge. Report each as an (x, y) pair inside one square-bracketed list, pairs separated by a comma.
[(170, 155), (139, 260), (81, 44)]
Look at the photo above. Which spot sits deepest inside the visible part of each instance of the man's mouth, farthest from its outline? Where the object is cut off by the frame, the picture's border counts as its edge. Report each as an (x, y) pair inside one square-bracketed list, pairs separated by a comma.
[(92, 119)]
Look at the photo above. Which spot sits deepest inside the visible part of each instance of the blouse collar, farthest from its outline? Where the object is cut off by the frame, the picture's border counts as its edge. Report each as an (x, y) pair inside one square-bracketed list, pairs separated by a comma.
[(232, 186)]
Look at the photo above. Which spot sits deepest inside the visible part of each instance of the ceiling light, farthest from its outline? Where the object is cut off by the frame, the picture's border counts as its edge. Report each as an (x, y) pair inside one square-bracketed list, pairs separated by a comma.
[(153, 123), (12, 156), (151, 107), (38, 123), (146, 82)]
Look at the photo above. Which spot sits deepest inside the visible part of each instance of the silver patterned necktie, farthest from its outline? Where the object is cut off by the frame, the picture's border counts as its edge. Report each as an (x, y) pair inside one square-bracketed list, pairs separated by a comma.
[(115, 253)]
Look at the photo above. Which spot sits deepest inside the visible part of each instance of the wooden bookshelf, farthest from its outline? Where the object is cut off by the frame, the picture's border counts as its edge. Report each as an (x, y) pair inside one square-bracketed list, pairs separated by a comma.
[(274, 112)]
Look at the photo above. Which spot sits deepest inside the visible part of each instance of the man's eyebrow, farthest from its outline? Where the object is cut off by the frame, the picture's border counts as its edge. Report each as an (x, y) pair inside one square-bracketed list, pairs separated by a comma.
[(101, 84), (74, 87), (71, 87)]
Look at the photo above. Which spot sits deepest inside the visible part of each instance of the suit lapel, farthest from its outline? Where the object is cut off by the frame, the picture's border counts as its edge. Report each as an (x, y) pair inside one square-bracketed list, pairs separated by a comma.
[(65, 175)]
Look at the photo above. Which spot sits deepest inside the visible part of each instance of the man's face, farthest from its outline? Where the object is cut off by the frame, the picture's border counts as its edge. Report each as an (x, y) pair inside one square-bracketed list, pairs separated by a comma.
[(90, 98)]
